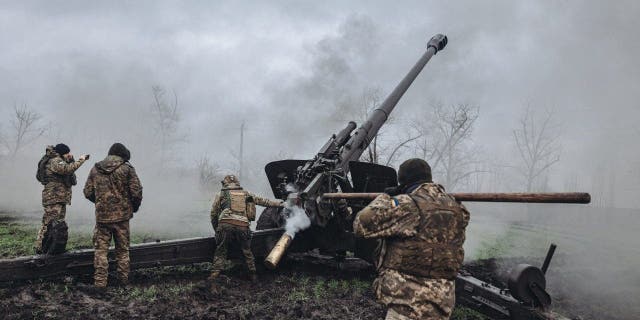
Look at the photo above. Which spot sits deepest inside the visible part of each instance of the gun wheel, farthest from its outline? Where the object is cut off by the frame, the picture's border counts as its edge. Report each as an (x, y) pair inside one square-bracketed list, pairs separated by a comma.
[(270, 218)]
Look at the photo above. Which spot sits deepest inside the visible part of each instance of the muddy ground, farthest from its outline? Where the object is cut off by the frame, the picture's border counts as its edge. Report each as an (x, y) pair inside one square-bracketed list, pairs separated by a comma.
[(177, 293), (298, 290)]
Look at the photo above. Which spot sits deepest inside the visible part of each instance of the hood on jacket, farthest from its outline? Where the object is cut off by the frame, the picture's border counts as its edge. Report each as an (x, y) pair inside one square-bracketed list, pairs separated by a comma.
[(118, 149), (109, 164)]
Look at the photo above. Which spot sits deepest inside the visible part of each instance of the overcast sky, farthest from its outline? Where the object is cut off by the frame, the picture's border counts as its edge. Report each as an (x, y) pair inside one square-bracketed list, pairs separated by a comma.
[(283, 66)]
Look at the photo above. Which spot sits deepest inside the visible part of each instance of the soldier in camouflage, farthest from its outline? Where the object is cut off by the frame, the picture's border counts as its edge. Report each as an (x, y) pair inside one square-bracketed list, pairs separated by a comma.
[(58, 178), (114, 187), (232, 211), (422, 231)]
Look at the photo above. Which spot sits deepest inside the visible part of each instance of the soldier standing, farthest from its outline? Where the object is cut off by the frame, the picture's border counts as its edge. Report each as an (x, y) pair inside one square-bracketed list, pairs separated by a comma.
[(56, 171), (232, 211), (114, 187), (422, 231)]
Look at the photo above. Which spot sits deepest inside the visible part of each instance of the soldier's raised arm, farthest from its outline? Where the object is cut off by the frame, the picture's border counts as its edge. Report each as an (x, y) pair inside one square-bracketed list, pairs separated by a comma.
[(215, 210), (387, 217), (264, 201), (61, 167), (135, 189)]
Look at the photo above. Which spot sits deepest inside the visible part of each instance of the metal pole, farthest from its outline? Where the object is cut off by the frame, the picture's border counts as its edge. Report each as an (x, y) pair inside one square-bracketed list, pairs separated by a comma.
[(547, 259), (241, 150)]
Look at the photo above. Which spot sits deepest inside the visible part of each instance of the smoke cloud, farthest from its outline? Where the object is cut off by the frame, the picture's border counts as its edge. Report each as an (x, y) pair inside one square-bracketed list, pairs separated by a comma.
[(297, 220), (291, 71)]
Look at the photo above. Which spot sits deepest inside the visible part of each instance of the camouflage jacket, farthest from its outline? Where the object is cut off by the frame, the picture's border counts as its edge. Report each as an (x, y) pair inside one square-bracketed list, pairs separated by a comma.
[(114, 187), (421, 252), (423, 231), (60, 177), (233, 205)]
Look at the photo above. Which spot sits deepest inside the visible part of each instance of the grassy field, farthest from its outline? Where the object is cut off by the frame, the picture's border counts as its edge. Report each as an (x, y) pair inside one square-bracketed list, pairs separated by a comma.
[(17, 238)]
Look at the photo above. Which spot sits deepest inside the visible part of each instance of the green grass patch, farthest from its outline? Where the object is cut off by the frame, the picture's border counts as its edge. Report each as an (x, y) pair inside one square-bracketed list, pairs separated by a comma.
[(16, 239), (319, 290), (297, 295), (496, 247), (514, 241), (360, 286), (333, 284), (178, 289), (149, 294)]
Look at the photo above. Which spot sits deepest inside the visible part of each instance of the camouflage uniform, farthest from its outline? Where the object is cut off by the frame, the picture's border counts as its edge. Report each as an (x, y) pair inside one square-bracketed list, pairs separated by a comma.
[(232, 211), (56, 195), (423, 233), (114, 187)]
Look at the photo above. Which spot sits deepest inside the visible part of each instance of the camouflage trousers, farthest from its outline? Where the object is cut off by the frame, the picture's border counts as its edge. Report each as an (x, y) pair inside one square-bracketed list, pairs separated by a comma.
[(412, 297), (226, 235), (51, 212), (102, 234)]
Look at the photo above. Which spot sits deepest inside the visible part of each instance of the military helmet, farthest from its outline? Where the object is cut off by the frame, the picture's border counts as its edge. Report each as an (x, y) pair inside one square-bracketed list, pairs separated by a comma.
[(230, 180), (414, 170)]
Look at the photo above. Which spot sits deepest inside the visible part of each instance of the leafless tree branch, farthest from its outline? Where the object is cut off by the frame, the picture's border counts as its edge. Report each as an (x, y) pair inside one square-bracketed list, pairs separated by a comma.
[(536, 140), (25, 129)]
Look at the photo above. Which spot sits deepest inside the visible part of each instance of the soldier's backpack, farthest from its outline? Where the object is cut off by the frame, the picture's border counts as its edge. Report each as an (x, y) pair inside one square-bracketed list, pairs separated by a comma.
[(42, 165), (42, 168), (55, 239)]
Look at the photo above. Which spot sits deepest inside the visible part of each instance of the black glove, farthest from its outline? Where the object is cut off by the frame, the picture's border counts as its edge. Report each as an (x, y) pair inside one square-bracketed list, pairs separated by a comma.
[(393, 191)]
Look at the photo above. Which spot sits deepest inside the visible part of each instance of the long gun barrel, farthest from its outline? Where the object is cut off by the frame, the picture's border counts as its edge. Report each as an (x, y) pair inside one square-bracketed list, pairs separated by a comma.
[(369, 129), (564, 197), (331, 164), (362, 137)]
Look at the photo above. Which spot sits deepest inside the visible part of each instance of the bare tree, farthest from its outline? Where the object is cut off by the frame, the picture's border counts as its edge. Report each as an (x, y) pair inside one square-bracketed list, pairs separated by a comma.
[(26, 127), (380, 151), (536, 139), (167, 119), (209, 174), (445, 142), (371, 99)]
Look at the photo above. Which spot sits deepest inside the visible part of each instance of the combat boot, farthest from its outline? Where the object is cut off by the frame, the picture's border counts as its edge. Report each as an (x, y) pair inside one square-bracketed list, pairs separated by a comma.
[(214, 275), (92, 290), (211, 282), (122, 283)]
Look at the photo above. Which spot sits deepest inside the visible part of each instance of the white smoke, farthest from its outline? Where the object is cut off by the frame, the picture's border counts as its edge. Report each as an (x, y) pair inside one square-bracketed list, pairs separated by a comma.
[(297, 218), (291, 188), (297, 221)]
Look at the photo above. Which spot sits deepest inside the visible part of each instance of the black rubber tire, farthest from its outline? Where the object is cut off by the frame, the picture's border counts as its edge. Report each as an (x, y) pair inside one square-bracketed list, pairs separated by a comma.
[(270, 218)]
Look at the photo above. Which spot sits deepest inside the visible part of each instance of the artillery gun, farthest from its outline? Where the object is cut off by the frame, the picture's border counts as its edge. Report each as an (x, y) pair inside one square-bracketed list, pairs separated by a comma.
[(335, 173), (314, 185)]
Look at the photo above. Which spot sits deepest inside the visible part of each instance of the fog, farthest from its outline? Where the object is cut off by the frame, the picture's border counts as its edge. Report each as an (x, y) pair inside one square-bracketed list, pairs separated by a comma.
[(294, 73)]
